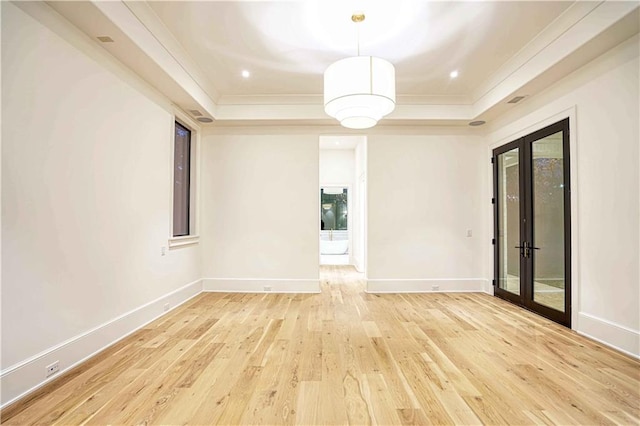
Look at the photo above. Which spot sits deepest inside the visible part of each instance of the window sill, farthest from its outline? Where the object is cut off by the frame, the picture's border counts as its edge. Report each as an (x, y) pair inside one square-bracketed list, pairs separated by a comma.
[(187, 240)]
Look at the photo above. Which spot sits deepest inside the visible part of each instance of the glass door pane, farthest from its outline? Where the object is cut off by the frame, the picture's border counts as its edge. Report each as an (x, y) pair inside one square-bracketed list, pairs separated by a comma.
[(548, 248), (508, 186)]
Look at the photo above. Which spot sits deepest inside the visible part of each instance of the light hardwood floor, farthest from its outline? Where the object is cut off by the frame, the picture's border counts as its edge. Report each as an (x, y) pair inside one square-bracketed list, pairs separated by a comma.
[(344, 356)]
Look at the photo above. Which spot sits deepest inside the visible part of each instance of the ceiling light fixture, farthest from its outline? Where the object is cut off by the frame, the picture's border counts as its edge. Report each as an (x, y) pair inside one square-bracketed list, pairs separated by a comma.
[(360, 90), (454, 74), (246, 74)]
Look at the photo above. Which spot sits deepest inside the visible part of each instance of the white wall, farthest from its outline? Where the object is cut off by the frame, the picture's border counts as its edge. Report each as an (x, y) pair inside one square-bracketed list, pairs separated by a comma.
[(337, 167), (261, 204), (360, 207), (246, 248), (85, 202), (602, 101), (423, 196)]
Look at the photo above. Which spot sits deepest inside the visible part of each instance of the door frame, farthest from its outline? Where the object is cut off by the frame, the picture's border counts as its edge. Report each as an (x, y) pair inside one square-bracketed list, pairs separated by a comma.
[(526, 297)]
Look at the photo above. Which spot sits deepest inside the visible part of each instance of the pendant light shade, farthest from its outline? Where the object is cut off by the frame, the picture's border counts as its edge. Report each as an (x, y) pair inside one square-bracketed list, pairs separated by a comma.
[(359, 91)]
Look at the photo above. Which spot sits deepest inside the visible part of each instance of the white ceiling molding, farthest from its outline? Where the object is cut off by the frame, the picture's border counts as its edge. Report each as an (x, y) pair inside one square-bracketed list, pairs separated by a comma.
[(271, 100), (271, 112), (557, 28), (592, 23), (431, 112), (151, 50), (150, 20), (149, 43)]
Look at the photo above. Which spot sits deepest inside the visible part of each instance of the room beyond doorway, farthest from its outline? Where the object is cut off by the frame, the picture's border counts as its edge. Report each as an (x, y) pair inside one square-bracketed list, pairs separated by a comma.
[(334, 226), (342, 201)]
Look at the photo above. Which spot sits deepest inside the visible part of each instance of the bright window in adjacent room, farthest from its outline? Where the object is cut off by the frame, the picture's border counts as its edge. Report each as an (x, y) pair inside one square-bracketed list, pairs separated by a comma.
[(181, 181)]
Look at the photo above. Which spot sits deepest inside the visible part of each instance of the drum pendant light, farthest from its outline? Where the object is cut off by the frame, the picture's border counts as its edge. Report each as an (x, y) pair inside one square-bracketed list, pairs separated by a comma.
[(360, 90)]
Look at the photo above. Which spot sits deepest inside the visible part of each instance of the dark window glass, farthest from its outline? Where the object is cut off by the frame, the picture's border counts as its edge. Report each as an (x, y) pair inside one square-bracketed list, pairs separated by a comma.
[(333, 209), (181, 181)]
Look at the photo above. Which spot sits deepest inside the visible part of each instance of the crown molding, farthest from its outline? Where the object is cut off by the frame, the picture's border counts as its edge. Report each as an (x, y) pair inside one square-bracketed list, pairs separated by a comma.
[(551, 47), (175, 74)]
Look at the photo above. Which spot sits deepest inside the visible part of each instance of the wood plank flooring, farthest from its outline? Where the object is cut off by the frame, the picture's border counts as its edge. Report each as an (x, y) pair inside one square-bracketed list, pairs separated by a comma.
[(344, 357)]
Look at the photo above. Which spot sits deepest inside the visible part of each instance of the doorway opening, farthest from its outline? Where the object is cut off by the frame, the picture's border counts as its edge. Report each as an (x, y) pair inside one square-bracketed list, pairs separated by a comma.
[(334, 225), (342, 193), (532, 220)]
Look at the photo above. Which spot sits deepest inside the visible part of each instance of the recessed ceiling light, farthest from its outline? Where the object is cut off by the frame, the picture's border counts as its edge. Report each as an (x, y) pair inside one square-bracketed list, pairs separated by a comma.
[(477, 123), (246, 74), (105, 39), (453, 74), (337, 143), (204, 119)]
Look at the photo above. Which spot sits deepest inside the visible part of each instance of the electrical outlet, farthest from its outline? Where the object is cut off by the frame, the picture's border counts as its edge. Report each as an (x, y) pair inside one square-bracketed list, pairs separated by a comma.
[(435, 287), (267, 288), (52, 368), (166, 307), (469, 233)]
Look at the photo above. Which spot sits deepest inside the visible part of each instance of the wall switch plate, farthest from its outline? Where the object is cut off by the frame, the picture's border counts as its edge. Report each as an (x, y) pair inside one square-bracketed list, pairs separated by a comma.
[(469, 233), (52, 368), (163, 250)]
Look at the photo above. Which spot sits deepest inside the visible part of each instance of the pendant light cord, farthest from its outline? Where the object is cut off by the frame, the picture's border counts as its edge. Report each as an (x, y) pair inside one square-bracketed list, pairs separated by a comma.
[(358, 18)]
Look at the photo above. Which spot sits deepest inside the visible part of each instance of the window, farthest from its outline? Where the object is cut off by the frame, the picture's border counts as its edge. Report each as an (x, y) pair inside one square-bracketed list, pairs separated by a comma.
[(181, 181), (184, 167), (333, 209)]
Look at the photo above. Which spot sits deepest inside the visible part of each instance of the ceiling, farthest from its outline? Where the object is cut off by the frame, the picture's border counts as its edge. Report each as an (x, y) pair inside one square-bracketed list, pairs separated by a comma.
[(287, 45), (194, 52)]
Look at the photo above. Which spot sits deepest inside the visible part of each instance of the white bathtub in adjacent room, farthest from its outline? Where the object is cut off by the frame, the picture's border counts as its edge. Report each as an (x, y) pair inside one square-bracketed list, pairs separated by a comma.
[(334, 247)]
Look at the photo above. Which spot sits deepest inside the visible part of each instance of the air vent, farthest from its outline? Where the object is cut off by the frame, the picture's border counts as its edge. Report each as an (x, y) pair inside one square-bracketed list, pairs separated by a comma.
[(105, 39), (195, 113), (516, 99), (204, 119)]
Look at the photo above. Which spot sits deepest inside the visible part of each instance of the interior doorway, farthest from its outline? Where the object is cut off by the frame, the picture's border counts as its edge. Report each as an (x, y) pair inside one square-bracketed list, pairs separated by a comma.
[(342, 194), (334, 225), (533, 222)]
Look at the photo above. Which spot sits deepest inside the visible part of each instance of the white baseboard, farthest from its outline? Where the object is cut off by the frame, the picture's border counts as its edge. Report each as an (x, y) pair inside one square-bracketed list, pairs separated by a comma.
[(610, 334), (453, 285), (260, 285), (28, 375), (488, 286)]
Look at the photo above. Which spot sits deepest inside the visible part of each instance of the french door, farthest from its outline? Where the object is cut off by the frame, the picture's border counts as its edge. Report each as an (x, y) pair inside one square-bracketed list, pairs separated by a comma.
[(532, 220)]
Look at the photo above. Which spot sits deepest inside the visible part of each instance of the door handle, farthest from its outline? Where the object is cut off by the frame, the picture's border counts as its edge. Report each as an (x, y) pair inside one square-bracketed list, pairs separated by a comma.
[(525, 249)]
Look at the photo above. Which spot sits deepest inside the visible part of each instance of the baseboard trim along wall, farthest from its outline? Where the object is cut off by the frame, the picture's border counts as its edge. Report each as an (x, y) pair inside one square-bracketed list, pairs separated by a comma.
[(428, 285), (261, 285), (610, 334), (28, 375), (488, 286)]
